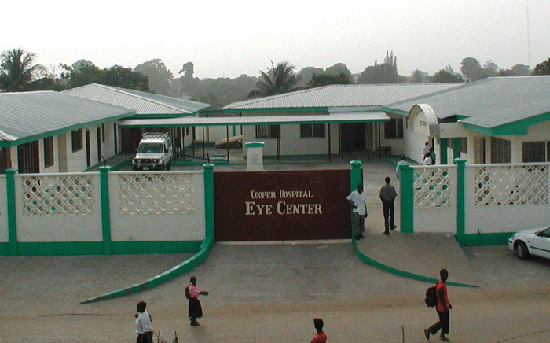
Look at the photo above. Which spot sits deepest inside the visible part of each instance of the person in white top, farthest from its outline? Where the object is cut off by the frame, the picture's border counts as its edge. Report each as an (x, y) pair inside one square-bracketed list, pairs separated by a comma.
[(427, 159), (358, 201), (401, 161), (144, 327)]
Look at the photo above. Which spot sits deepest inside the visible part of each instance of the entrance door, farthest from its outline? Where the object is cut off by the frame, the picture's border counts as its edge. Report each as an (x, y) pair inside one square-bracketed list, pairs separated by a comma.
[(353, 137), (88, 150)]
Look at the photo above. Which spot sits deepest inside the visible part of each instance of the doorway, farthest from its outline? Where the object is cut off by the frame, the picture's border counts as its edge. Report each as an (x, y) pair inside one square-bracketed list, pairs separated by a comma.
[(353, 137)]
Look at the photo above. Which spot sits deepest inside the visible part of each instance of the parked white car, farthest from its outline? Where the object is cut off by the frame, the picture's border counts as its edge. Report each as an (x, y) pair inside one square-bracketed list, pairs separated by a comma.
[(154, 152), (533, 242)]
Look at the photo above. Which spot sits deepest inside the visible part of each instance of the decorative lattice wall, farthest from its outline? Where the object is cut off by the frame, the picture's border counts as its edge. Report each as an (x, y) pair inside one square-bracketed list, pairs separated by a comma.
[(511, 185), (146, 193), (432, 187), (58, 195)]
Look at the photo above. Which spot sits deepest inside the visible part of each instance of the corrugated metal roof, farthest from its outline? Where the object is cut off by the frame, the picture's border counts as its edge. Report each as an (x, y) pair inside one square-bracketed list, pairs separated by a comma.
[(490, 102), (348, 117), (141, 102), (35, 114), (341, 96)]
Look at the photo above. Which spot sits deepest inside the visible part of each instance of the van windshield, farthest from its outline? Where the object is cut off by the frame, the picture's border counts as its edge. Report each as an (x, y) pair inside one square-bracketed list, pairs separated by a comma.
[(150, 148)]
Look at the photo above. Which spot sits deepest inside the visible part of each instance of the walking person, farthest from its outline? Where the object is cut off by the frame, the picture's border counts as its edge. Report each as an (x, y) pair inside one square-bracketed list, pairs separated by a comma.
[(192, 293), (358, 201), (387, 195), (443, 307), (144, 327), (320, 336)]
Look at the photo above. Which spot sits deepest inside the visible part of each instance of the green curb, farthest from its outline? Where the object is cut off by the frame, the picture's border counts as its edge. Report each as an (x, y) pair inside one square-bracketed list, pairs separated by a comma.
[(399, 272), (180, 269)]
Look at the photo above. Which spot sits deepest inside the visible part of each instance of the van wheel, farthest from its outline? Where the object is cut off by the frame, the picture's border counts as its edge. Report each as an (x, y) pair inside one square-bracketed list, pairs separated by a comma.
[(522, 251)]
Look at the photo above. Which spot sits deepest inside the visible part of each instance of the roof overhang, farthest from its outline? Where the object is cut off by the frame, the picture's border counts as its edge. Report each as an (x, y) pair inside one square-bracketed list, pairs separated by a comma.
[(344, 117)]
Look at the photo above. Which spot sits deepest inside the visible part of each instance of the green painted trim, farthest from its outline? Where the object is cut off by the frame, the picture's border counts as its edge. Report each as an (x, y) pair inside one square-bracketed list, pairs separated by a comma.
[(403, 273), (456, 147), (460, 199), (11, 212), (254, 144), (443, 146), (500, 238), (66, 129), (105, 210), (4, 249), (406, 178), (520, 127), (60, 248), (277, 109), (208, 174), (74, 248), (394, 111), (155, 247)]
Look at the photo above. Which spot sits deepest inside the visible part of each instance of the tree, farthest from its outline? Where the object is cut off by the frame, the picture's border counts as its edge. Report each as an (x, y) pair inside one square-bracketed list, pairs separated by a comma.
[(159, 76), (325, 80), (277, 80), (337, 69), (115, 76), (381, 73), (472, 70), (542, 68), (418, 76), (17, 70), (491, 68), (516, 70), (306, 74), (446, 76)]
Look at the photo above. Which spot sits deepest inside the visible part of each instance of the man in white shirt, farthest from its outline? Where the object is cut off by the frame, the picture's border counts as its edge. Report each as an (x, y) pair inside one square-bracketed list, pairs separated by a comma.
[(144, 328), (358, 201)]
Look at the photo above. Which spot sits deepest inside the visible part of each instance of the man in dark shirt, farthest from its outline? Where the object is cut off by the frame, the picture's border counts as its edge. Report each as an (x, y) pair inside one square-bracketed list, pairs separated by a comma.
[(387, 195)]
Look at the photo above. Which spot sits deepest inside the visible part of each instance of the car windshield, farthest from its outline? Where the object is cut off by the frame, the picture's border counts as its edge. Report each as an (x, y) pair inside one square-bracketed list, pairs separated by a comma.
[(150, 148)]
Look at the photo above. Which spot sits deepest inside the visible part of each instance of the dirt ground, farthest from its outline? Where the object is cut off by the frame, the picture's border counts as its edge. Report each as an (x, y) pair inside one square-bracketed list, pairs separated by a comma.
[(41, 297)]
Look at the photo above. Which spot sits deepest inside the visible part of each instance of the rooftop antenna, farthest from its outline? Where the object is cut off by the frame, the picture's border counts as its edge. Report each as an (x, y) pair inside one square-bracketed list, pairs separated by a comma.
[(528, 37)]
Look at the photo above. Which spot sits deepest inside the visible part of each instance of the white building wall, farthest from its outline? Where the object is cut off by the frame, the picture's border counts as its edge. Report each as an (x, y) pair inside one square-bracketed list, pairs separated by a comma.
[(4, 237), (149, 225), (36, 223)]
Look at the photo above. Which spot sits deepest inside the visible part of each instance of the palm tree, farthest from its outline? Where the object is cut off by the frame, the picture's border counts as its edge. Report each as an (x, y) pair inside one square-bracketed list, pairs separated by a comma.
[(17, 70), (277, 80)]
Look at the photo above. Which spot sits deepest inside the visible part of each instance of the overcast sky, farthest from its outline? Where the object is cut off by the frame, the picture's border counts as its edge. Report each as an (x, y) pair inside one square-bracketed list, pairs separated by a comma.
[(230, 38)]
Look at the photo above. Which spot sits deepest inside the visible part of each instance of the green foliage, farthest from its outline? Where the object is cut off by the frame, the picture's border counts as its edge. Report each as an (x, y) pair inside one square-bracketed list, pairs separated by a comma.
[(306, 74), (222, 91), (418, 76), (159, 76), (542, 68), (277, 80), (517, 70), (446, 76), (17, 70), (472, 70), (381, 73), (116, 76), (325, 80), (337, 69)]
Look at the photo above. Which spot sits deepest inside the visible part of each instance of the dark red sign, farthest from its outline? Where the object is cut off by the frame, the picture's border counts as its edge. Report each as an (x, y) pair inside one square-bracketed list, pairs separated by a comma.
[(282, 205)]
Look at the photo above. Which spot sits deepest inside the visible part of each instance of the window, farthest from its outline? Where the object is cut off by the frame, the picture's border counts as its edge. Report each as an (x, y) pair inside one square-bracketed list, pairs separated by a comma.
[(76, 140), (268, 131), (48, 152), (535, 152), (501, 150), (312, 130), (393, 128), (464, 145)]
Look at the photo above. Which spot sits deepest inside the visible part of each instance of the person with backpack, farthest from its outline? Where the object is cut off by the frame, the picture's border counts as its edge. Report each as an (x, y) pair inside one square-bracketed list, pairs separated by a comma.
[(443, 306)]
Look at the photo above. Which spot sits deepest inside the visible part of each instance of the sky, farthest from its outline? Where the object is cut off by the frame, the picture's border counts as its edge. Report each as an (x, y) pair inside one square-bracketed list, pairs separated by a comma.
[(231, 38)]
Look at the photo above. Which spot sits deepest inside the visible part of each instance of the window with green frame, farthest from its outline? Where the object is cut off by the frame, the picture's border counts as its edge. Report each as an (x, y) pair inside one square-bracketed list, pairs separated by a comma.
[(268, 131)]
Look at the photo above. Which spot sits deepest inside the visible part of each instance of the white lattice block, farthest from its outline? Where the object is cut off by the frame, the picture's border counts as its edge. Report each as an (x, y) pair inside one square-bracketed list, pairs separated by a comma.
[(511, 185), (432, 187), (58, 194), (156, 193)]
